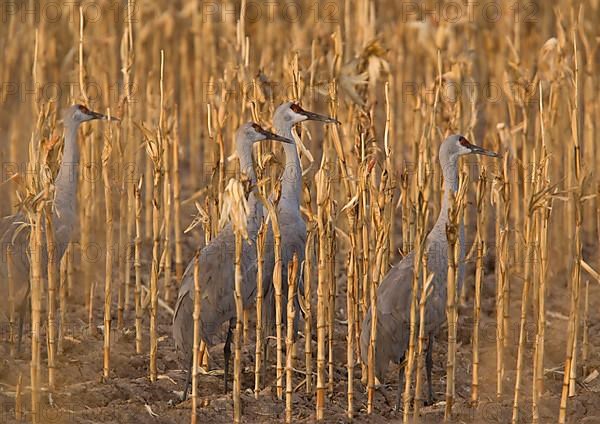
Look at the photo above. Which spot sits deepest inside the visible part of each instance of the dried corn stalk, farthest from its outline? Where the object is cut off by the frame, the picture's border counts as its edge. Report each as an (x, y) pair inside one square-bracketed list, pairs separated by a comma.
[(479, 269), (196, 351), (457, 202), (289, 340), (106, 155), (137, 264), (323, 199), (235, 209), (260, 248)]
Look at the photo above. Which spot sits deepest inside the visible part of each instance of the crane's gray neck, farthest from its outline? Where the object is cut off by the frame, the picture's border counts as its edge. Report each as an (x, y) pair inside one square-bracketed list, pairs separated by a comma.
[(437, 237), (291, 180), (450, 173), (68, 174), (244, 152)]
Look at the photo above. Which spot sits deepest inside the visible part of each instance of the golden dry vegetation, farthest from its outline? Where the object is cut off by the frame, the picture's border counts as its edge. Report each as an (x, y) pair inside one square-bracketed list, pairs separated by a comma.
[(520, 78)]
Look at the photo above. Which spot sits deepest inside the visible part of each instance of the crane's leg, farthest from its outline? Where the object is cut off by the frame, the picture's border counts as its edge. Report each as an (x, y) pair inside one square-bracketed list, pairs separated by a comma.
[(188, 379), (227, 351), (400, 384), (428, 368)]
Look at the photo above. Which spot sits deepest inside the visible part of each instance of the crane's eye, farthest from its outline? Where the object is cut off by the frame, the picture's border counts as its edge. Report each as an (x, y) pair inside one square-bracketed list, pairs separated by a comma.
[(256, 127), (83, 109), (296, 108), (464, 142)]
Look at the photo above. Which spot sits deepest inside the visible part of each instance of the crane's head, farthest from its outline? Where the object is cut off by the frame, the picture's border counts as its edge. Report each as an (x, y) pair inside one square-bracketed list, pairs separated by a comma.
[(251, 132), (291, 113), (79, 113), (457, 145)]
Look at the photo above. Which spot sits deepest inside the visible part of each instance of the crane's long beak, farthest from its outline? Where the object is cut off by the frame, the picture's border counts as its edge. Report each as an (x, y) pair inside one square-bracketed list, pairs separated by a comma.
[(272, 136), (481, 151), (311, 116), (97, 115)]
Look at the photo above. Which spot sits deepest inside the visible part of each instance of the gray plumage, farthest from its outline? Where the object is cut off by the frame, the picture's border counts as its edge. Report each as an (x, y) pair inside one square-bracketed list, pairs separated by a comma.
[(395, 291), (291, 223), (14, 230), (217, 271)]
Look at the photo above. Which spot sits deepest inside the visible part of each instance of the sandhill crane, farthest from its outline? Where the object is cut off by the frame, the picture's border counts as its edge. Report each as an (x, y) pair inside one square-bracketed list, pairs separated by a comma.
[(394, 292), (217, 270), (64, 216), (292, 225)]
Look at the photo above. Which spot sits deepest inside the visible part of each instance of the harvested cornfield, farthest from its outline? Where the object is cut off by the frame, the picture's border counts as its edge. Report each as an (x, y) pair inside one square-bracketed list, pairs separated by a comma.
[(133, 192)]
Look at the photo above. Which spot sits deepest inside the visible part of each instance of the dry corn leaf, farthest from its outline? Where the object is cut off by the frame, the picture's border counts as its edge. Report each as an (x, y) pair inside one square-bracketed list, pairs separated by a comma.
[(235, 207), (557, 315), (200, 218), (591, 376), (303, 150), (166, 377), (214, 373), (351, 203), (150, 411)]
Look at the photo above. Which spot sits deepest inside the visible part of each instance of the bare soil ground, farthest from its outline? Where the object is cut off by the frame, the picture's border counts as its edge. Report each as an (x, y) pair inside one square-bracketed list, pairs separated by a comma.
[(129, 397)]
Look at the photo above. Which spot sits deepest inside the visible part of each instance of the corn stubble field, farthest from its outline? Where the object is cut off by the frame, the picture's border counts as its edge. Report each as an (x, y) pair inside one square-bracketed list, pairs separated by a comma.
[(519, 78)]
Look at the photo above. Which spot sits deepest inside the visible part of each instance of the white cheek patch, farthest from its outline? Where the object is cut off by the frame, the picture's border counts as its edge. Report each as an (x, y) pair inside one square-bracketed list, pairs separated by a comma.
[(297, 117)]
